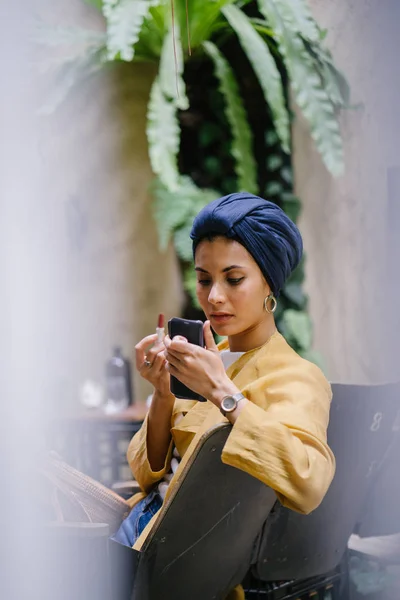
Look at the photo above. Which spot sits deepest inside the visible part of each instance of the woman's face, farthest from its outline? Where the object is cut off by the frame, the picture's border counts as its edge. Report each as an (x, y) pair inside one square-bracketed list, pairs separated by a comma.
[(231, 290)]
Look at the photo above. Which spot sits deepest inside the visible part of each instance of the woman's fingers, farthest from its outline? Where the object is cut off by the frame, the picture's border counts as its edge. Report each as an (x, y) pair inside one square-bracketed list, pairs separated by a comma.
[(158, 362), (154, 359), (209, 338), (153, 370), (153, 353), (146, 352), (172, 360), (178, 344), (142, 347)]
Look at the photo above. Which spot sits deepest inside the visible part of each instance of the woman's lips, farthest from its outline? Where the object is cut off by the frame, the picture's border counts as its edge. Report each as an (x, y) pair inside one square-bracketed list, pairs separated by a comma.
[(223, 318)]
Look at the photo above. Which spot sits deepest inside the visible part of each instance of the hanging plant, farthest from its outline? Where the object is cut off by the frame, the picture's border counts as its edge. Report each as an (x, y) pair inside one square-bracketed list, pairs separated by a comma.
[(150, 30), (284, 48)]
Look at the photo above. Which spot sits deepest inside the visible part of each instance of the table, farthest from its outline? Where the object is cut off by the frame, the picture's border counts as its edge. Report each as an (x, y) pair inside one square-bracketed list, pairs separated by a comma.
[(96, 443)]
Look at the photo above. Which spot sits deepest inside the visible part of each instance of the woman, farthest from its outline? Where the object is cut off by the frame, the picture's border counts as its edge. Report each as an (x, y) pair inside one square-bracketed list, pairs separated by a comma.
[(278, 403)]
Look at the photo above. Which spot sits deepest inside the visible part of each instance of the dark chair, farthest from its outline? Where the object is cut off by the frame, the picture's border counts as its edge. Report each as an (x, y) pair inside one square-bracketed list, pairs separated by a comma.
[(378, 525), (218, 523), (297, 547), (202, 543), (380, 514)]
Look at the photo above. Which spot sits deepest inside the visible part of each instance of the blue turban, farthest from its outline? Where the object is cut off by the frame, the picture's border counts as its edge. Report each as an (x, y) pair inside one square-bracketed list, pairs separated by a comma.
[(260, 226)]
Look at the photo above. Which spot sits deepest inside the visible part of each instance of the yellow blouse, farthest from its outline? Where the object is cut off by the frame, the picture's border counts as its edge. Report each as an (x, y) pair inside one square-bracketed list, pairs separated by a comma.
[(279, 436)]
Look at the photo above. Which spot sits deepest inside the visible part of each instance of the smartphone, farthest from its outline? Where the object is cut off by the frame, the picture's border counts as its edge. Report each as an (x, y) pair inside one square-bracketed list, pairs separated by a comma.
[(193, 332)]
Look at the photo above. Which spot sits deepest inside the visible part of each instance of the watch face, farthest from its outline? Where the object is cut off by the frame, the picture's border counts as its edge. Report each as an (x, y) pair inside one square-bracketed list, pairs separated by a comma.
[(229, 403)]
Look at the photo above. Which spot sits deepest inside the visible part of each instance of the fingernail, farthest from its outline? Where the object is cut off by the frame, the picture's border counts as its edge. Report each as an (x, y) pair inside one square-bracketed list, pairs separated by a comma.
[(180, 338)]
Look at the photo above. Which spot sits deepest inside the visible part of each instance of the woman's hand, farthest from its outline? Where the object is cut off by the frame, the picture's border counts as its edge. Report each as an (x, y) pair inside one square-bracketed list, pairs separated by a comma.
[(150, 362), (200, 369)]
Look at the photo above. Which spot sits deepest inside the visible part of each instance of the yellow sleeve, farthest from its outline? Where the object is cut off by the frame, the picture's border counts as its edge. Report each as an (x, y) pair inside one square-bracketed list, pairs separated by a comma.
[(281, 439), (139, 462)]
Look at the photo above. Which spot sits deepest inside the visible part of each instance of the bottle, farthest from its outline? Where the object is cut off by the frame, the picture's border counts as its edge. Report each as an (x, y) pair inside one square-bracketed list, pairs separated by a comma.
[(118, 382)]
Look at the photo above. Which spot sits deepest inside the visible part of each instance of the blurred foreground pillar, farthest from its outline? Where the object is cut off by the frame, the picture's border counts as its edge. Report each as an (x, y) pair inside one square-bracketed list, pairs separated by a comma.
[(349, 223), (95, 215)]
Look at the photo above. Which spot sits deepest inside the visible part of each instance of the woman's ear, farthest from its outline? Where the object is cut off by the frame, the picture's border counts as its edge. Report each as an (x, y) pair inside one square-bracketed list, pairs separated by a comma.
[(267, 290)]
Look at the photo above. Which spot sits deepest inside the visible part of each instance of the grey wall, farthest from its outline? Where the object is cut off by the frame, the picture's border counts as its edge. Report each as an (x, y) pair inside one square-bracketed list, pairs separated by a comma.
[(345, 222)]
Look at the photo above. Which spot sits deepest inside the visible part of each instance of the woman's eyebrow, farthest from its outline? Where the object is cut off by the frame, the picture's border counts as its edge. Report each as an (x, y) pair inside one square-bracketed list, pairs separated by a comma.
[(232, 267), (223, 270)]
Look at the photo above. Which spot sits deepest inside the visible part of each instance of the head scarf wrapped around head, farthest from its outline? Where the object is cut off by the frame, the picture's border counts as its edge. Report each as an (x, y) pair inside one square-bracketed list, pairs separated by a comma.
[(260, 226)]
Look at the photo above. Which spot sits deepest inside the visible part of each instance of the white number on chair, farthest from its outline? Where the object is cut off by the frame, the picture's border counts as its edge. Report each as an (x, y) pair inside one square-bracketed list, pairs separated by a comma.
[(376, 421)]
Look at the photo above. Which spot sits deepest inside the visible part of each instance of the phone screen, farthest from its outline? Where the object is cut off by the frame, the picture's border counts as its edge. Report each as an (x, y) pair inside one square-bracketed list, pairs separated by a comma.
[(193, 332)]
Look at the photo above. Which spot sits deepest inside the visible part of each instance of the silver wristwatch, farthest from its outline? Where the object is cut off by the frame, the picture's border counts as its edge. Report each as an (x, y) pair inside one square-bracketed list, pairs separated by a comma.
[(229, 403)]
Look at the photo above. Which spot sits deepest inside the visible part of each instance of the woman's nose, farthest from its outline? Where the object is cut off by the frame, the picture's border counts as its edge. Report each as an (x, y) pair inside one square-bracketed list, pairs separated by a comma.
[(216, 295)]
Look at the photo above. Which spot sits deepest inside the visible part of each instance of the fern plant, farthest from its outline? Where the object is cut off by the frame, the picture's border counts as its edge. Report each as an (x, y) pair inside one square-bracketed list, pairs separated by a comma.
[(150, 30), (282, 44)]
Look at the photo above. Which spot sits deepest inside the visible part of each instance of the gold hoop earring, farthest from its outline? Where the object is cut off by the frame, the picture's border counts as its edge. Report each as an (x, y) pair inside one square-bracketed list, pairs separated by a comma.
[(274, 304)]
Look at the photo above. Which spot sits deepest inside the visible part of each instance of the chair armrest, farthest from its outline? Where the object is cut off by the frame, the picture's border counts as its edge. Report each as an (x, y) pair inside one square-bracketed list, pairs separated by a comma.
[(126, 488), (383, 548)]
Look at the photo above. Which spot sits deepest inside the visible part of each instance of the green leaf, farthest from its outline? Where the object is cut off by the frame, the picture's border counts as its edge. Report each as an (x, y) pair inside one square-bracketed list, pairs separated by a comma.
[(85, 58), (204, 18), (212, 165), (309, 91), (163, 135), (297, 16), (271, 138), (273, 188), (342, 85), (335, 82), (183, 243), (173, 210), (208, 134), (242, 142), (196, 199), (189, 283), (294, 293), (322, 34), (298, 328), (151, 39), (317, 107), (170, 211), (291, 205), (261, 26), (297, 276), (274, 162), (96, 3), (68, 75), (170, 73), (336, 85), (124, 21), (264, 67), (59, 36), (287, 176)]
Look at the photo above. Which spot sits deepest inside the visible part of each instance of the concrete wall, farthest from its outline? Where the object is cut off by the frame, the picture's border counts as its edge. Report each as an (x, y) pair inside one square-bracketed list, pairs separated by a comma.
[(345, 222)]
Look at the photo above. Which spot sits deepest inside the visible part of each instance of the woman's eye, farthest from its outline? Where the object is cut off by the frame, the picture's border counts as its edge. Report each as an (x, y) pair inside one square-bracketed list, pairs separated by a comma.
[(236, 281), (203, 281)]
